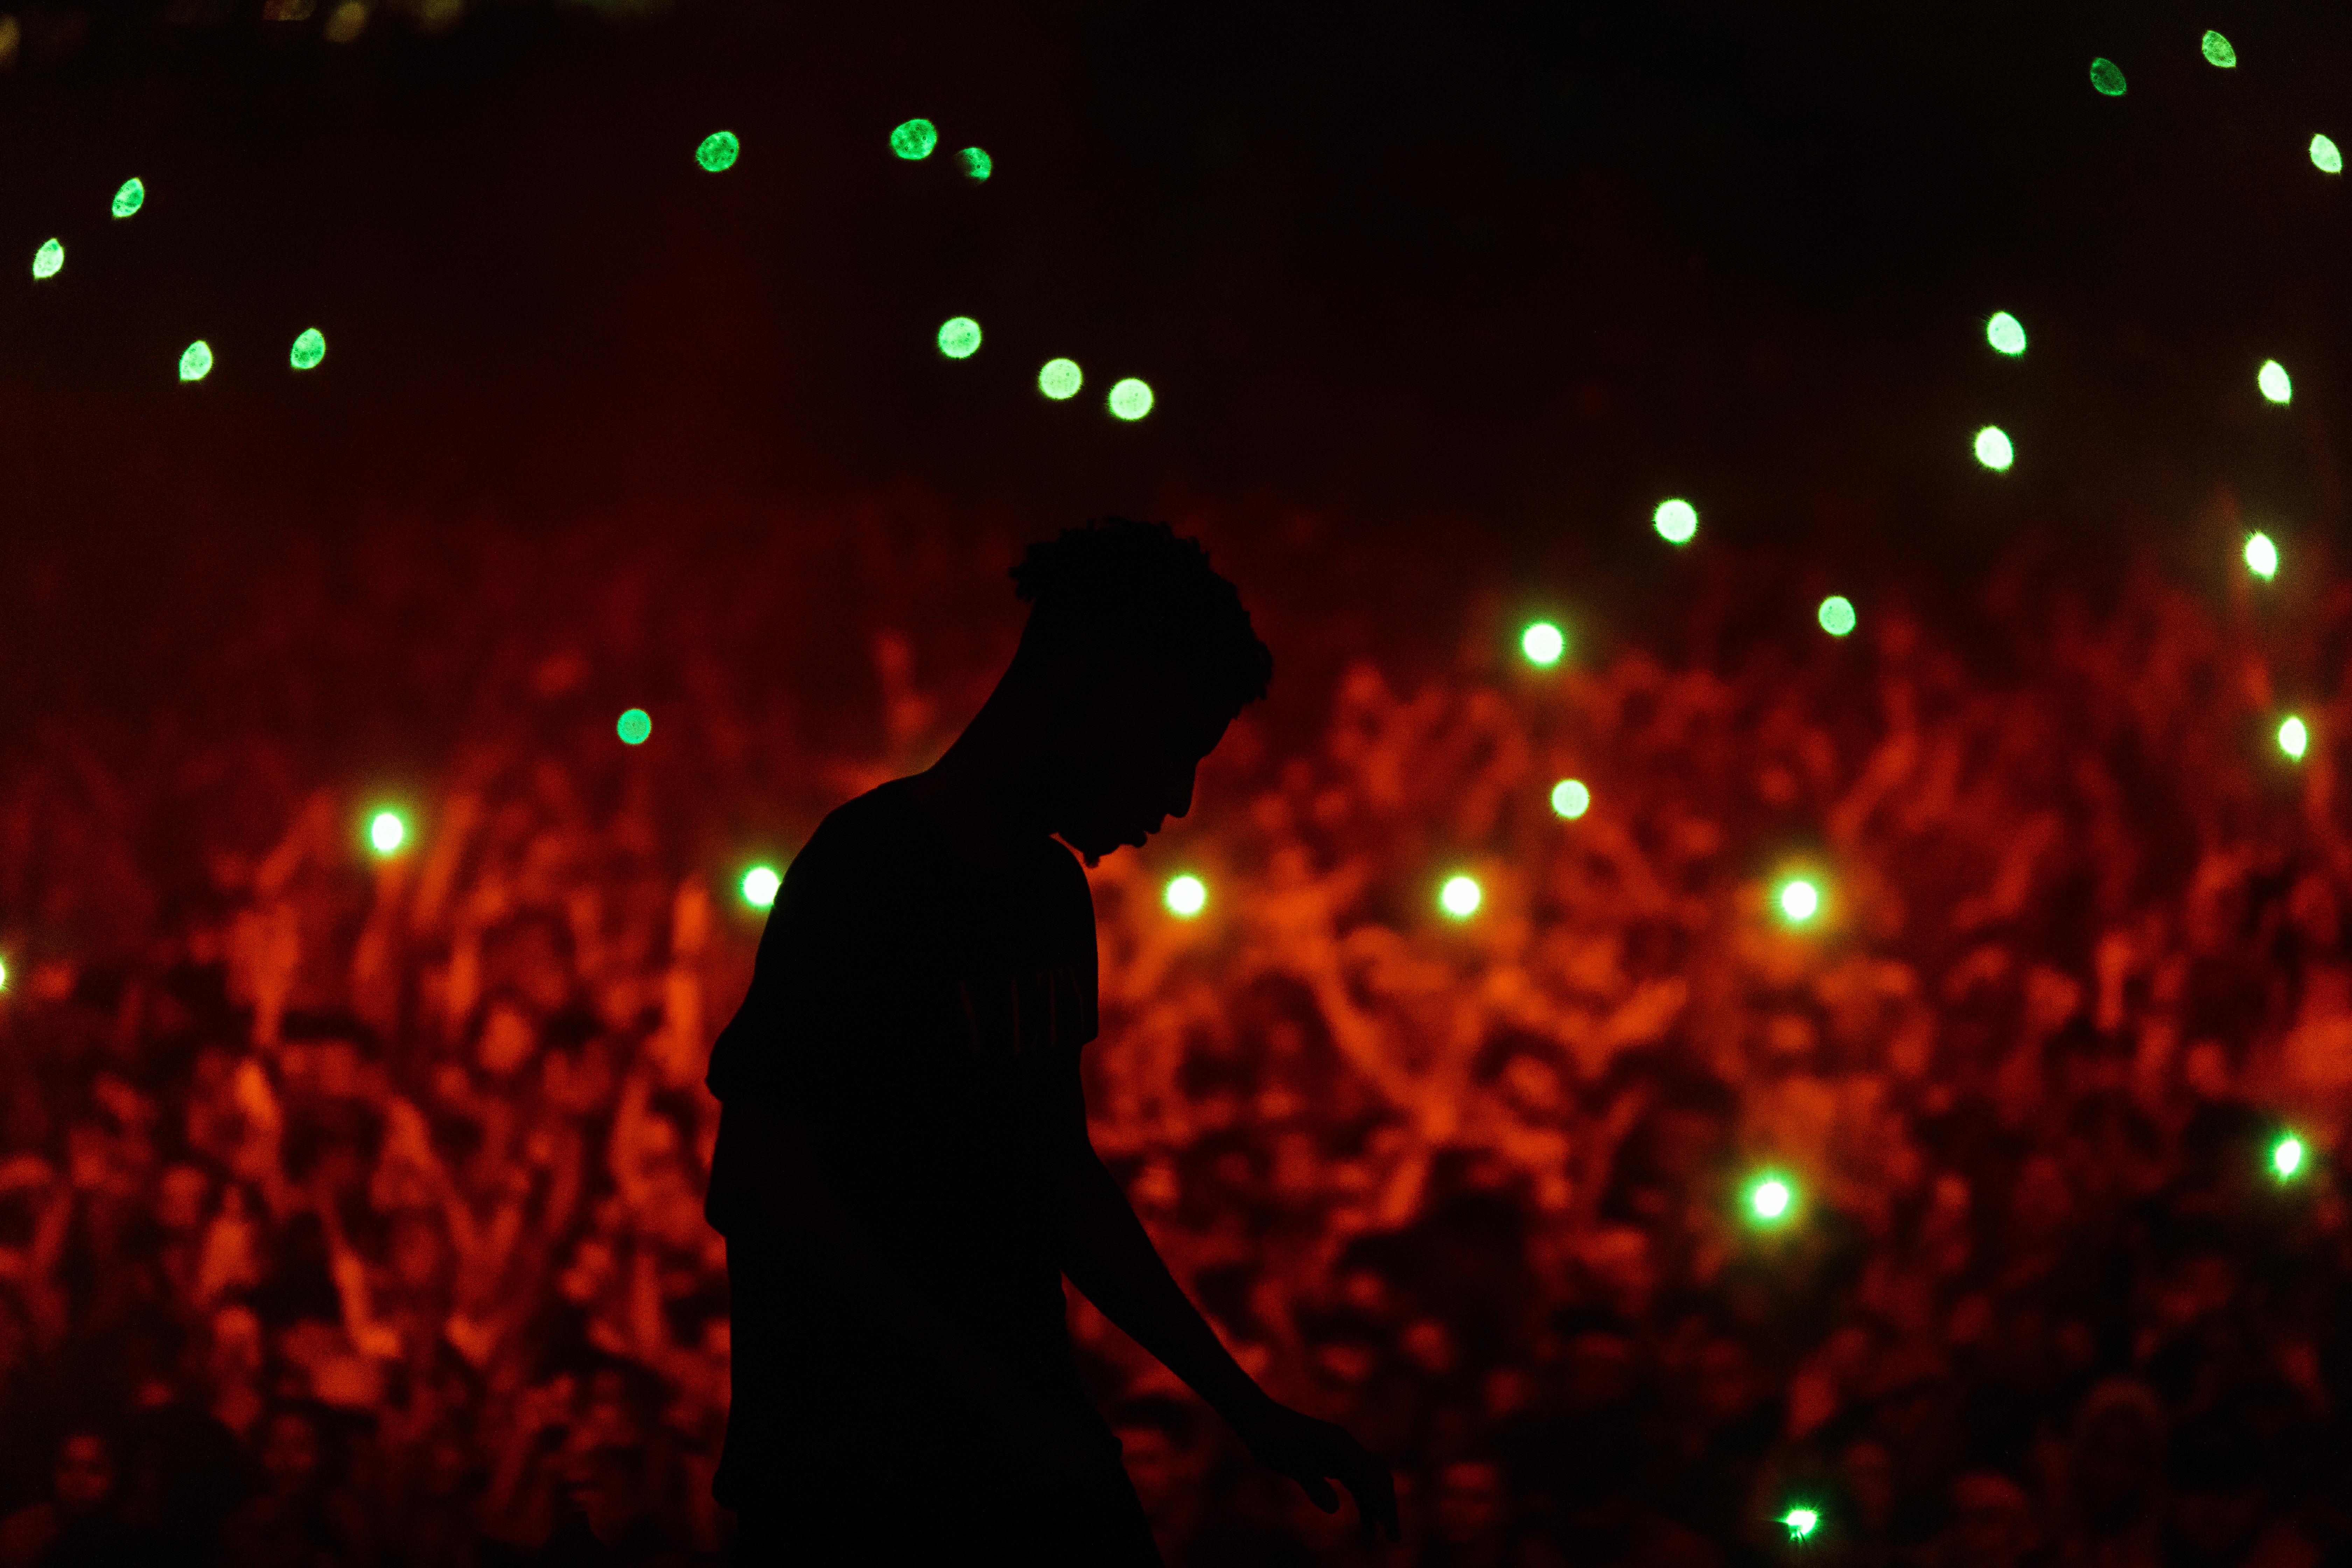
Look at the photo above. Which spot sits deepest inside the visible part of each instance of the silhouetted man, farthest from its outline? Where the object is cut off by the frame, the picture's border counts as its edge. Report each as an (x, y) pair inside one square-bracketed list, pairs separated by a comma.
[(903, 1171)]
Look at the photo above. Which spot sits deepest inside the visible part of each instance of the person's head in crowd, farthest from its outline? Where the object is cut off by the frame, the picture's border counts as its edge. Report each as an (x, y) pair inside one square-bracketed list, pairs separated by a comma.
[(84, 1475), (300, 1448), (1469, 1503), (2218, 1475), (1599, 1366), (1429, 1347), (1867, 1481), (1345, 1349), (1159, 1444), (2115, 1468), (613, 1483), (1992, 1523)]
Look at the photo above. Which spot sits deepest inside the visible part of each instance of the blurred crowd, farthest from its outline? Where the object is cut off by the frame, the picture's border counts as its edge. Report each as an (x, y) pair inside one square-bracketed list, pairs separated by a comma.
[(351, 1213)]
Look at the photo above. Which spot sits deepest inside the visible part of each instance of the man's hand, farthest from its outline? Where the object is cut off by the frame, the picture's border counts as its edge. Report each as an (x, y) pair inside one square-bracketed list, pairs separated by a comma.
[(1312, 1453)]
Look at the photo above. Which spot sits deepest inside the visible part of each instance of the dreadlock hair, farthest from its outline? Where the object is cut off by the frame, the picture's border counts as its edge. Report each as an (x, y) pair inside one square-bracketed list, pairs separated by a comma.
[(1117, 587)]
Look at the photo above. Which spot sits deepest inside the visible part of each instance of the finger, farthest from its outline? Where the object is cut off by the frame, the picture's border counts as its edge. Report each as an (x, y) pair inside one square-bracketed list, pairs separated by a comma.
[(1321, 1491)]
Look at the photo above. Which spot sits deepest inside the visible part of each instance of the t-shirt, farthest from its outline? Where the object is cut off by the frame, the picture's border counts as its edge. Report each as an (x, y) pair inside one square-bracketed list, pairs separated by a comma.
[(916, 1011)]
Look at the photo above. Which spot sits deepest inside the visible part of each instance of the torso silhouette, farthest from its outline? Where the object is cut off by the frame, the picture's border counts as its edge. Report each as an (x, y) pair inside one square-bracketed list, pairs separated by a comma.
[(911, 1008)]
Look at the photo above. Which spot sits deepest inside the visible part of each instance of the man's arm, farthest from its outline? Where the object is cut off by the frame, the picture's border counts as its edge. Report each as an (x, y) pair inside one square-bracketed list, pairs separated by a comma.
[(1108, 1255)]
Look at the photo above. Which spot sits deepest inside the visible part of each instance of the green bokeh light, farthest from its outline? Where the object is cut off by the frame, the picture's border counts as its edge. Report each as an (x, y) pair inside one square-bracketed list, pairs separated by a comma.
[(1801, 1522), (759, 885), (2286, 1157), (2324, 157), (960, 337), (197, 360), (1186, 896), (3, 974), (1771, 1199), (914, 139), (1460, 897), (50, 259), (2107, 77), (2006, 334), (977, 164), (1993, 449), (2293, 737), (1130, 398), (1061, 378), (387, 832), (1543, 643), (1837, 617), (635, 726), (130, 197), (1570, 798), (309, 348), (718, 150), (1676, 521), (1800, 900), (2218, 50), (2262, 556), (2274, 382)]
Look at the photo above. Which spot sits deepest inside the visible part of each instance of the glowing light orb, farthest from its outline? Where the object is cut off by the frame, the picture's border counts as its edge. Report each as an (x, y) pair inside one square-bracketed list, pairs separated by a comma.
[(1676, 521), (387, 832), (1993, 449), (129, 197), (3, 974), (914, 139), (635, 726), (2286, 1156), (2262, 556), (1460, 897), (2006, 334), (1570, 798), (1543, 643), (2218, 50), (718, 150), (1837, 617), (960, 337), (2274, 382), (2324, 157), (2107, 77), (2292, 738), (50, 259), (1186, 896), (309, 348), (1801, 1522), (1131, 399), (759, 885), (1061, 378), (977, 164), (1800, 900), (197, 360), (1770, 1199)]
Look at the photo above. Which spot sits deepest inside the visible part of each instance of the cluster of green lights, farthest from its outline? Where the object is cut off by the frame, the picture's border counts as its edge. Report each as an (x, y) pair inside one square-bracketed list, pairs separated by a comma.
[(1676, 521), (2274, 382), (1060, 379), (1994, 450), (129, 197), (50, 259), (2293, 737), (1836, 614), (1130, 398), (914, 139), (977, 164), (633, 727), (1543, 643), (2107, 77), (2006, 334), (387, 831), (309, 348), (960, 337), (2325, 156), (2262, 556), (2218, 50), (718, 150), (197, 360), (759, 885), (1185, 896), (1570, 798), (2287, 1157), (1771, 1199), (1800, 900), (1460, 897), (1802, 1521)]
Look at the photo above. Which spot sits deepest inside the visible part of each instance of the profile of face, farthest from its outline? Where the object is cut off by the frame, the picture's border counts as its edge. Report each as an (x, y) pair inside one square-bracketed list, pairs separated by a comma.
[(1132, 739), (83, 1476)]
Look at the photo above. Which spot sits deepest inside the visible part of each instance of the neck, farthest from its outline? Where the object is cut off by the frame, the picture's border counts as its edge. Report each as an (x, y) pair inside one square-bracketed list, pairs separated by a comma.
[(986, 790)]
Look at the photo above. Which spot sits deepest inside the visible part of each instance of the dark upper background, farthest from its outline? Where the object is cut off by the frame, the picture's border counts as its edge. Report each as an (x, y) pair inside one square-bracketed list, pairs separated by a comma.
[(1436, 307)]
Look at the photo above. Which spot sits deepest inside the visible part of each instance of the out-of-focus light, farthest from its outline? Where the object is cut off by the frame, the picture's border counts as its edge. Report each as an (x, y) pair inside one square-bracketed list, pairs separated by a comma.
[(1993, 449), (1570, 798), (914, 139), (1130, 398), (1543, 643), (2324, 157), (1676, 521), (1800, 900), (1186, 896), (960, 337), (2006, 334), (759, 885), (129, 197), (2218, 50), (50, 259), (387, 832), (2262, 556), (1459, 896), (309, 348), (1837, 617), (1061, 378), (718, 150), (1770, 1199), (2286, 1157), (1801, 1522), (635, 726), (977, 164), (2274, 382), (347, 21), (2292, 738), (3, 974), (2107, 77), (197, 360)]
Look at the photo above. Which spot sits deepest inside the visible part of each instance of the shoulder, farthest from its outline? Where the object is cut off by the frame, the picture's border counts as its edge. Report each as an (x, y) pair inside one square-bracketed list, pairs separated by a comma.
[(859, 844)]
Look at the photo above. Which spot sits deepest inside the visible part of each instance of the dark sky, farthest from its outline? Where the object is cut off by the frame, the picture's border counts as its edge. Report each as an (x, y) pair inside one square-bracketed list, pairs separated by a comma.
[(1427, 299)]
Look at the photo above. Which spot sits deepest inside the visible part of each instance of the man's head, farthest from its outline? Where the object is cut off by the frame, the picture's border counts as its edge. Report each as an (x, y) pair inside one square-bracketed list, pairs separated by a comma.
[(1139, 656)]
